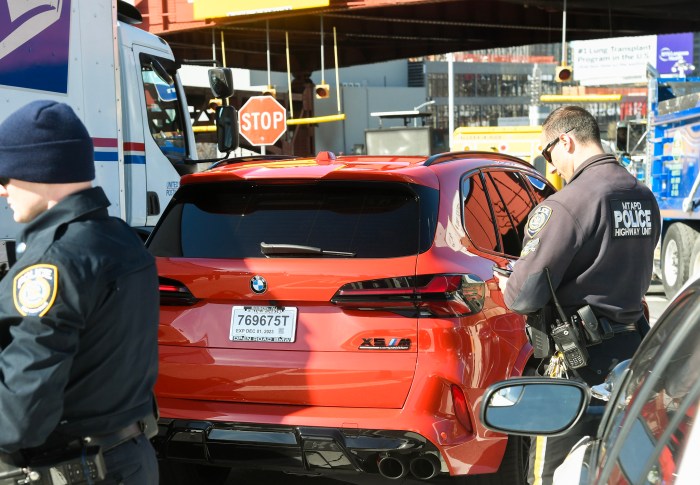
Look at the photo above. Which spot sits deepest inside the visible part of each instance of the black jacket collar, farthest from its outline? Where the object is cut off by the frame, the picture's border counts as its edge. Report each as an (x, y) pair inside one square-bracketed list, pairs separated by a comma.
[(76, 205), (594, 160)]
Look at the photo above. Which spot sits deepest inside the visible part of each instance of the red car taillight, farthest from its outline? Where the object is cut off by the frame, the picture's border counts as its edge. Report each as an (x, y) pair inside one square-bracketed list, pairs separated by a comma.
[(173, 292), (459, 402), (441, 295)]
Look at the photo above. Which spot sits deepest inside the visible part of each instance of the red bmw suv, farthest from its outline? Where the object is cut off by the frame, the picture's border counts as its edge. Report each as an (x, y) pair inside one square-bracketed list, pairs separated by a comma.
[(341, 314)]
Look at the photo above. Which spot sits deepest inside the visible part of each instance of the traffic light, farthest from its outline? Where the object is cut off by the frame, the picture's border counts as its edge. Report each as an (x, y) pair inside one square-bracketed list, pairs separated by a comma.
[(322, 91), (564, 74), (269, 91), (213, 104)]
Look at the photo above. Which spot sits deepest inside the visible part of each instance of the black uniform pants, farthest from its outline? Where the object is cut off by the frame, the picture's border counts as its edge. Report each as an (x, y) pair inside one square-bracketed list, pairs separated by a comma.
[(131, 463), (547, 453)]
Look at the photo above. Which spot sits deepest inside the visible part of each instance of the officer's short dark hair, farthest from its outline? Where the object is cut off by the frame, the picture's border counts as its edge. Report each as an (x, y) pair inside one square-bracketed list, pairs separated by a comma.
[(582, 124)]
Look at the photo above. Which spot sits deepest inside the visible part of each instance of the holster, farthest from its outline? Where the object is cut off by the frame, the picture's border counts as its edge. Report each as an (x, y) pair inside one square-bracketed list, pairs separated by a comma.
[(594, 329), (643, 326), (537, 331)]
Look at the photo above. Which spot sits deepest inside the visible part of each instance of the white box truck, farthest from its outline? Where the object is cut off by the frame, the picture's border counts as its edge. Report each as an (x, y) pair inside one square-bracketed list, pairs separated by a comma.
[(120, 80)]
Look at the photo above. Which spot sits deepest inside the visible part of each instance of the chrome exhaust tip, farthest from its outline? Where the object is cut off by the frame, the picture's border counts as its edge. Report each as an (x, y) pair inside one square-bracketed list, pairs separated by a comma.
[(425, 466), (393, 467)]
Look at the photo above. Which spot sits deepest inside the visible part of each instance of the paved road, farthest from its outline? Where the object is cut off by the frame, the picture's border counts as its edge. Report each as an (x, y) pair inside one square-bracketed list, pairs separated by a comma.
[(276, 478), (657, 301), (657, 304)]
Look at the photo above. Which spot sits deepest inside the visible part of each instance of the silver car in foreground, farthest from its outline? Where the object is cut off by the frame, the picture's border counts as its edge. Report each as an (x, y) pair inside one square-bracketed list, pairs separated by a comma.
[(646, 434)]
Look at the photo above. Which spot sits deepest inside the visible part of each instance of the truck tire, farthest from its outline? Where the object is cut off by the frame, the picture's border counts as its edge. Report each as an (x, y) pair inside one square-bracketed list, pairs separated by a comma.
[(695, 259), (676, 256)]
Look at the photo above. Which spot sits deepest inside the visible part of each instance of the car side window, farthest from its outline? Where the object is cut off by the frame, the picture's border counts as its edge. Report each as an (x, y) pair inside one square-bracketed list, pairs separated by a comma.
[(670, 448), (655, 408), (512, 204), (478, 216)]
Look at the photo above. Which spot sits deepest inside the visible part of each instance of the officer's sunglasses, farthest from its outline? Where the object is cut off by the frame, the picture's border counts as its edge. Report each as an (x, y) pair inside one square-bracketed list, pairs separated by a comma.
[(547, 152), (4, 181)]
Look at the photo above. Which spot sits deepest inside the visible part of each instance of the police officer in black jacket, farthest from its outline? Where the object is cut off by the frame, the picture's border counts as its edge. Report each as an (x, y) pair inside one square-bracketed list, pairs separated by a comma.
[(79, 308), (596, 237)]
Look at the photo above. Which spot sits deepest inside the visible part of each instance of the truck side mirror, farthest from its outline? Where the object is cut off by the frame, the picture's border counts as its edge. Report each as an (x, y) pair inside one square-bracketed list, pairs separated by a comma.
[(226, 128), (221, 82)]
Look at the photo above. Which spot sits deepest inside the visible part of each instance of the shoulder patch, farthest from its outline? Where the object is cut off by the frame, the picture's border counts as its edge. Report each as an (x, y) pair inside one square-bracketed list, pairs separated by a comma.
[(530, 247), (538, 220), (34, 289)]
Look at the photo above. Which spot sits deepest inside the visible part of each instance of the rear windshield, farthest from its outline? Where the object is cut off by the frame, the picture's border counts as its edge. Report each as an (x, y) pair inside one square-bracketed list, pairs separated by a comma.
[(361, 220)]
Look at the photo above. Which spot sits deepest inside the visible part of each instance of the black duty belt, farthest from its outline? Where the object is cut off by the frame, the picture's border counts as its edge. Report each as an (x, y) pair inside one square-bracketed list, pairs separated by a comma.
[(106, 442), (619, 327), (112, 440)]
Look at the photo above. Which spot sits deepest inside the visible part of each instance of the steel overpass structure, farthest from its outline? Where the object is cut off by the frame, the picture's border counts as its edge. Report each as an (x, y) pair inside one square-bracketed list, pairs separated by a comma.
[(370, 31)]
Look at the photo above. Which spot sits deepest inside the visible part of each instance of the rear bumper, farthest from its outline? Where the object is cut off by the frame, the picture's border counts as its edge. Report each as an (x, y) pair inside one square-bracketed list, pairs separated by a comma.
[(301, 449)]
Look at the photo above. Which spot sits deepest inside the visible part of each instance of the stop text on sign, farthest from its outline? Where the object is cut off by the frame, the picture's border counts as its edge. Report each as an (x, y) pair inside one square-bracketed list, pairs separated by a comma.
[(262, 121)]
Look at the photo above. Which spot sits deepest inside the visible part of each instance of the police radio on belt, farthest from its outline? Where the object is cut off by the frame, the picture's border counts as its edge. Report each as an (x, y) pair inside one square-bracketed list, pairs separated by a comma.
[(75, 466), (566, 336)]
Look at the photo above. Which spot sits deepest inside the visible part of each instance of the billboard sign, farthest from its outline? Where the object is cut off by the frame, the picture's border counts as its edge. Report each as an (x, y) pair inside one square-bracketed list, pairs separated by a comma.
[(672, 52), (206, 9), (623, 60)]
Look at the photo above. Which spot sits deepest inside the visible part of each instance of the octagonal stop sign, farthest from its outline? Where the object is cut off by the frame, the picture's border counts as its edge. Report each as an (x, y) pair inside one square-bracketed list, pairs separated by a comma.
[(262, 120)]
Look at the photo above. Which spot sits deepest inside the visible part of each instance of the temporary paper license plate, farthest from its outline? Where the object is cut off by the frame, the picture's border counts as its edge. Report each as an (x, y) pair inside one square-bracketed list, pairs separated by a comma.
[(263, 324)]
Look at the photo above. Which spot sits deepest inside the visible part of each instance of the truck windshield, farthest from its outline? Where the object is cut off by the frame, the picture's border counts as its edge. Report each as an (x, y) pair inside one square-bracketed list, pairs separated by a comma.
[(165, 119)]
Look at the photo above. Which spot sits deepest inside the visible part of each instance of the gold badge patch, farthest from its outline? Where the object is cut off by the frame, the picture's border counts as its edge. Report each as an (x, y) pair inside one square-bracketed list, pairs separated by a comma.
[(34, 289), (538, 220)]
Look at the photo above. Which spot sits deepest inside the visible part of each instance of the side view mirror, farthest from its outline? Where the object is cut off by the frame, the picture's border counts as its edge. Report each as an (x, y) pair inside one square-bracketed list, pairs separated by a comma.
[(226, 128), (221, 82), (534, 406)]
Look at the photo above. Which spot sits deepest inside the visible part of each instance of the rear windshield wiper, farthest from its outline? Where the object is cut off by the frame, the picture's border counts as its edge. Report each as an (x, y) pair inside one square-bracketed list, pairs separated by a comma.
[(294, 250)]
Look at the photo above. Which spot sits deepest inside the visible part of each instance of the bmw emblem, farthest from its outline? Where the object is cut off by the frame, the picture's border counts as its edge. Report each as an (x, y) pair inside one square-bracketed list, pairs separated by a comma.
[(258, 284)]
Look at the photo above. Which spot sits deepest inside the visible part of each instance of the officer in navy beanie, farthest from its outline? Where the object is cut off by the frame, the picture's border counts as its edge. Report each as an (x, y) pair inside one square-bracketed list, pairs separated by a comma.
[(78, 309), (45, 142)]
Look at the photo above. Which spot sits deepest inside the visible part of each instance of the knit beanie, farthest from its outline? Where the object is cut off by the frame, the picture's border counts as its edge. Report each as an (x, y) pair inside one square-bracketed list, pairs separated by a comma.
[(45, 142)]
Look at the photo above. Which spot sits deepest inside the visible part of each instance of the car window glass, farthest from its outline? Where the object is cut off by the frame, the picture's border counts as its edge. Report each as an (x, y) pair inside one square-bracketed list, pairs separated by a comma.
[(165, 121), (228, 220), (671, 447), (512, 204), (673, 382), (540, 190), (478, 219), (639, 445), (669, 413)]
